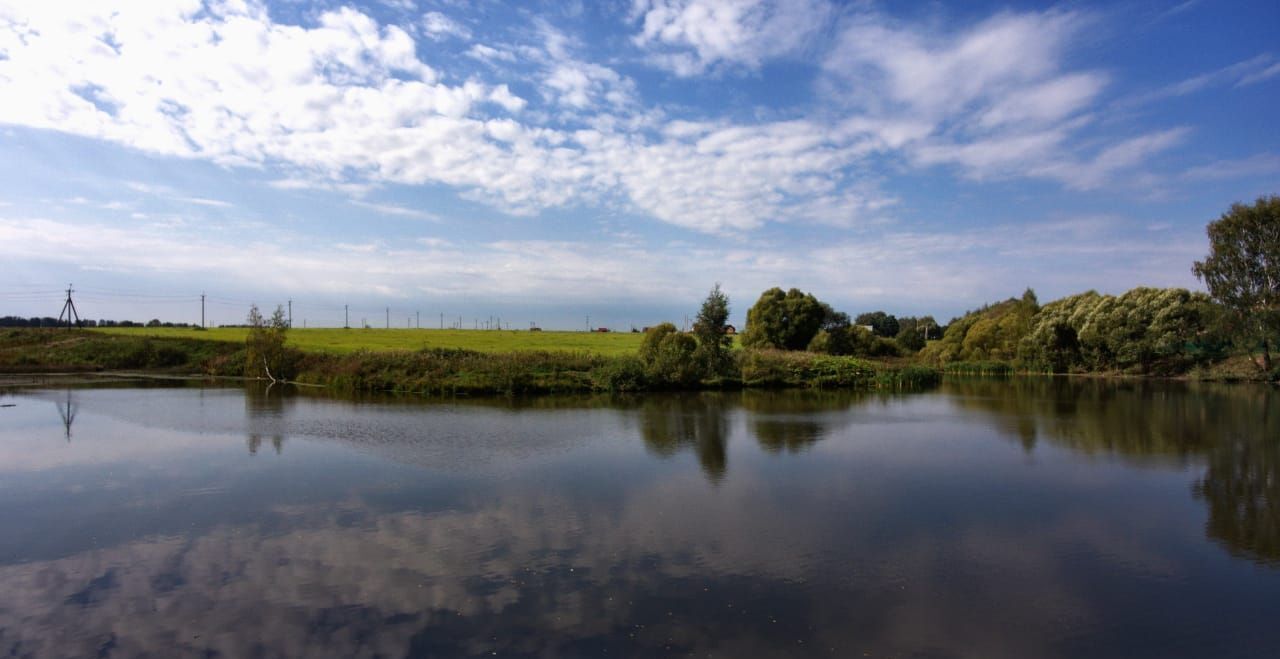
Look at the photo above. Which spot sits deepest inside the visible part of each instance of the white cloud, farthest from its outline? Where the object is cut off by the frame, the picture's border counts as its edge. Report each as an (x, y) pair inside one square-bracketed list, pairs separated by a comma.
[(202, 201), (1262, 164), (1046, 155), (1179, 8), (438, 26), (1241, 74), (993, 99), (885, 67), (739, 177), (399, 211), (303, 183), (170, 194), (490, 54), (345, 104), (577, 83), (1046, 102), (1255, 77), (689, 36), (939, 267)]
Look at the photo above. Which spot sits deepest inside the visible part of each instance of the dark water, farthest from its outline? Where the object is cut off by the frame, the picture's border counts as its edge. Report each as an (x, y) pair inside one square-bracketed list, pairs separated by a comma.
[(1037, 518)]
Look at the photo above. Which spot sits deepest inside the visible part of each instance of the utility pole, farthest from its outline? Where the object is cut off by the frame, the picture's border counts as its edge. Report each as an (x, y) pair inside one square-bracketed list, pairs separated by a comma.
[(202, 311), (69, 309), (417, 319), (346, 318), (441, 320), (588, 322), (388, 317), (290, 314)]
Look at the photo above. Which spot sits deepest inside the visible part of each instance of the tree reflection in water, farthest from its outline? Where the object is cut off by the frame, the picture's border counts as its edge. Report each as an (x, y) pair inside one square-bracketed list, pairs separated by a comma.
[(264, 407), (793, 421), (670, 424), (1233, 429), (443, 529), (783, 420), (1241, 486)]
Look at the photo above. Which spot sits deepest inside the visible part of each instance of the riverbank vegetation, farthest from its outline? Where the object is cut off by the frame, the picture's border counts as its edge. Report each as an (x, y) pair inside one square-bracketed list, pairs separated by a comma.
[(336, 340), (792, 339), (444, 371), (1145, 331)]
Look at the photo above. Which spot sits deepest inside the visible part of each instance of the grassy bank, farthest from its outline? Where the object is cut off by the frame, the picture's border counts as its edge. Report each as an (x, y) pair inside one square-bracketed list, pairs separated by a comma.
[(59, 350), (346, 341), (435, 370)]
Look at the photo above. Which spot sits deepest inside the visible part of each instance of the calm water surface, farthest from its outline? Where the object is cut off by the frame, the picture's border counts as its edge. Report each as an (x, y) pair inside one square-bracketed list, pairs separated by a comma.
[(1036, 518)]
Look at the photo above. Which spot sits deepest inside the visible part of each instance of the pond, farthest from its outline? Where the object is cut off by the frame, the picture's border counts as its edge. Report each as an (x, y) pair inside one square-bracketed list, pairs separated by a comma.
[(1043, 517)]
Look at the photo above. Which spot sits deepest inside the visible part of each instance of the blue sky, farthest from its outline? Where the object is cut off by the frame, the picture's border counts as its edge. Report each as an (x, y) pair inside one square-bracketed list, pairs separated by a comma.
[(546, 162)]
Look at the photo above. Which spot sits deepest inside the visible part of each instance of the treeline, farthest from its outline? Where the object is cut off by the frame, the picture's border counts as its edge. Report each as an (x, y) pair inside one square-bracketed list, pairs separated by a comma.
[(49, 321), (795, 320), (667, 359), (1146, 331)]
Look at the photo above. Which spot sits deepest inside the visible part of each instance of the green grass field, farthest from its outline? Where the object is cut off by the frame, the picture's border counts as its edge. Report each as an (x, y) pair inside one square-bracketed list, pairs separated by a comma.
[(340, 341)]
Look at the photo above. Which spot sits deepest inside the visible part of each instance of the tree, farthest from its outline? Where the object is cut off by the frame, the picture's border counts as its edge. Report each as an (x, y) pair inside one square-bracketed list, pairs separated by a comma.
[(787, 321), (833, 338), (264, 346), (910, 336), (667, 356), (834, 320), (881, 323), (714, 343), (1242, 270)]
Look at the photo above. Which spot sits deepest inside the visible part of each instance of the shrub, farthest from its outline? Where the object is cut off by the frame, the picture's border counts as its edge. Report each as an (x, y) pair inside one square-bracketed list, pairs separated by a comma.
[(620, 374), (668, 357)]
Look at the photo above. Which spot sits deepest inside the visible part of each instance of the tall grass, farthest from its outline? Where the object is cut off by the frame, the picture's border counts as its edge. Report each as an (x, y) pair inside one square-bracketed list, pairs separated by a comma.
[(978, 368)]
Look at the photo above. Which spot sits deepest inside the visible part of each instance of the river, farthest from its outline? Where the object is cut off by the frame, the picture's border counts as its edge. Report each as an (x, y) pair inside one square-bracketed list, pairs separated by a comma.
[(1040, 517)]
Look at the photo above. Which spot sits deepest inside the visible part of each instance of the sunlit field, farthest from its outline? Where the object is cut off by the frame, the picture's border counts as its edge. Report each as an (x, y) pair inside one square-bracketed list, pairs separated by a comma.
[(351, 340)]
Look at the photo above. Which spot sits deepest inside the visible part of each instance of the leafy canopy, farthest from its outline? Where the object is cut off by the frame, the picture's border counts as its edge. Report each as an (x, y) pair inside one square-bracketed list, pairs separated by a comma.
[(1242, 270), (786, 321), (667, 356), (264, 346)]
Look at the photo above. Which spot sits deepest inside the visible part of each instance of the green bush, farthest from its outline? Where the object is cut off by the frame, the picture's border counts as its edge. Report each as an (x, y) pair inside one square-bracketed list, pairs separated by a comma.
[(620, 374), (668, 357)]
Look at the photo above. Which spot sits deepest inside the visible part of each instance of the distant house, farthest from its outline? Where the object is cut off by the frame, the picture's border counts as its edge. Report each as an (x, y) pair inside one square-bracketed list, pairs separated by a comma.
[(602, 329), (535, 329)]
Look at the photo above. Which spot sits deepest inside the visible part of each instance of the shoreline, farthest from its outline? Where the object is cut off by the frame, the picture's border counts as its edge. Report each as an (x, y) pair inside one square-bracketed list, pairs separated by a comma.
[(35, 355)]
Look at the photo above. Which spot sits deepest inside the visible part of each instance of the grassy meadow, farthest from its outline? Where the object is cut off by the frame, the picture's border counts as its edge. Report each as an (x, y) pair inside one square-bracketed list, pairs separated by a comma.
[(434, 362), (344, 341)]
